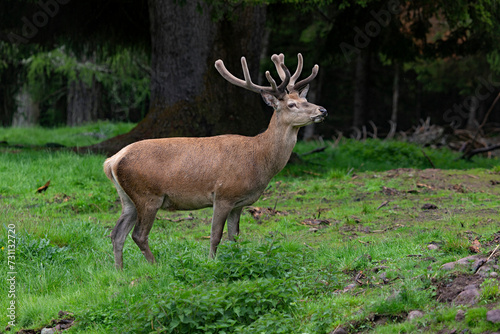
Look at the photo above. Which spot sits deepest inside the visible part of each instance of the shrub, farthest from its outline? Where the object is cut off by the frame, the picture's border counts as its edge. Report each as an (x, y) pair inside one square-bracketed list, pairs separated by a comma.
[(384, 154), (32, 250), (239, 261), (210, 308), (269, 260)]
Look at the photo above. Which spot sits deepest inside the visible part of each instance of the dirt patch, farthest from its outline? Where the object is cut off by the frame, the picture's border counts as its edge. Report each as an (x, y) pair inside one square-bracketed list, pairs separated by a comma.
[(369, 323), (437, 179), (65, 321), (450, 288)]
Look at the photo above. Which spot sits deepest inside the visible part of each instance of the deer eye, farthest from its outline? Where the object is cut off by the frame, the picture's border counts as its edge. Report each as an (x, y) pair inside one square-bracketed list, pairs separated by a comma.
[(292, 105)]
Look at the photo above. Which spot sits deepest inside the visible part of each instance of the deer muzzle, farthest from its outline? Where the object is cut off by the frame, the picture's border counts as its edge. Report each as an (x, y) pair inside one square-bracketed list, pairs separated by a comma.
[(321, 117)]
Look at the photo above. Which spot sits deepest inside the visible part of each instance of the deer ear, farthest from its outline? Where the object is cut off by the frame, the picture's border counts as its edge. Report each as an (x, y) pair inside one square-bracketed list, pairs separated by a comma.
[(304, 92), (269, 99)]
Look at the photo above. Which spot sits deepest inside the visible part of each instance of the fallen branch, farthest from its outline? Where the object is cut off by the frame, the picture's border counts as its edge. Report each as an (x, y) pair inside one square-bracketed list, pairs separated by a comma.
[(337, 139), (489, 257), (384, 203), (316, 150), (467, 154), (428, 159), (374, 135), (470, 154)]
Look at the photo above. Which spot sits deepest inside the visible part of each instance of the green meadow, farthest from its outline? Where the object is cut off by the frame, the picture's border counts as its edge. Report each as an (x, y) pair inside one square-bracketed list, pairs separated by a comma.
[(339, 240)]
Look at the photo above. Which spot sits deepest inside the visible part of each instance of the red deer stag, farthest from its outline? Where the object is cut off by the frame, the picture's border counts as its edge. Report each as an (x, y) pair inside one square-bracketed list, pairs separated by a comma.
[(226, 172)]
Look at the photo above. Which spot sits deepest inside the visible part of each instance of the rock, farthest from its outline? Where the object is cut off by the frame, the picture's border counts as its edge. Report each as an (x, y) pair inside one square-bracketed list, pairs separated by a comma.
[(493, 274), (470, 287), (469, 259), (48, 331), (415, 314), (338, 330), (448, 266), (460, 315), (493, 316), (474, 262), (484, 271), (432, 247), (467, 297)]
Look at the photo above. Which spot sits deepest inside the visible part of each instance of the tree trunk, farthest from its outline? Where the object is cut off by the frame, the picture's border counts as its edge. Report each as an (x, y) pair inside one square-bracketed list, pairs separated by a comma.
[(418, 97), (395, 94), (360, 88), (28, 111), (83, 102), (188, 95), (472, 123)]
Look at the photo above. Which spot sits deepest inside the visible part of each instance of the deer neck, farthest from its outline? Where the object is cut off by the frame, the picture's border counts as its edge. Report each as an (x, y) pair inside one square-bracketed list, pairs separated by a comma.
[(277, 144)]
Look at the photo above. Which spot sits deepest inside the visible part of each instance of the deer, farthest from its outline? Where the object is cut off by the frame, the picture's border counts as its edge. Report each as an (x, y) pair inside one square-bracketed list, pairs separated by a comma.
[(226, 172)]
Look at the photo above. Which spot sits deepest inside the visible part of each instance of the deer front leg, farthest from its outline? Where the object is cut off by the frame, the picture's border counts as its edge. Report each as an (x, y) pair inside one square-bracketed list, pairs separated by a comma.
[(233, 223), (221, 212)]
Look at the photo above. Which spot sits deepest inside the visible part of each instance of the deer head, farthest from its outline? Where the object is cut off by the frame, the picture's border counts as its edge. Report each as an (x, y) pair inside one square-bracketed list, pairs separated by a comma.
[(289, 98)]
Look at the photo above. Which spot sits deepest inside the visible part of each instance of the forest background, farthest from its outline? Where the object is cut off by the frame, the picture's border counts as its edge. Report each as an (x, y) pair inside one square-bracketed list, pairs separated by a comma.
[(151, 62)]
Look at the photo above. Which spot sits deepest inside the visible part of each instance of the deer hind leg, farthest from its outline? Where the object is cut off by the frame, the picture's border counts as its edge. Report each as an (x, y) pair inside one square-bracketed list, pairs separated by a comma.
[(233, 223), (221, 212), (123, 226), (140, 235)]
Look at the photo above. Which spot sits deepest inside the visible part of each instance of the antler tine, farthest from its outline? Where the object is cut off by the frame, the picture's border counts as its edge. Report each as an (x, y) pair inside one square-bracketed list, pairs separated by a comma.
[(286, 80), (246, 72), (271, 81), (307, 80), (297, 73), (278, 60), (221, 68), (248, 84)]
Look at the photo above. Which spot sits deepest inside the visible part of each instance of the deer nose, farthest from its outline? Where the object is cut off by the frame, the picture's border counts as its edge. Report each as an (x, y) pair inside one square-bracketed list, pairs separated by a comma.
[(323, 111)]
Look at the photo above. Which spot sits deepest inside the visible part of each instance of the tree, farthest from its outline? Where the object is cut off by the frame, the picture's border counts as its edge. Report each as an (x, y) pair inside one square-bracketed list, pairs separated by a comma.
[(397, 32), (83, 99), (360, 88), (183, 39), (188, 96), (58, 49)]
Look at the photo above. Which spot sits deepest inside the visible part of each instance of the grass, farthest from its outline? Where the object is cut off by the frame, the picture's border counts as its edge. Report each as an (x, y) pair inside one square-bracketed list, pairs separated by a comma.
[(79, 136), (364, 270)]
